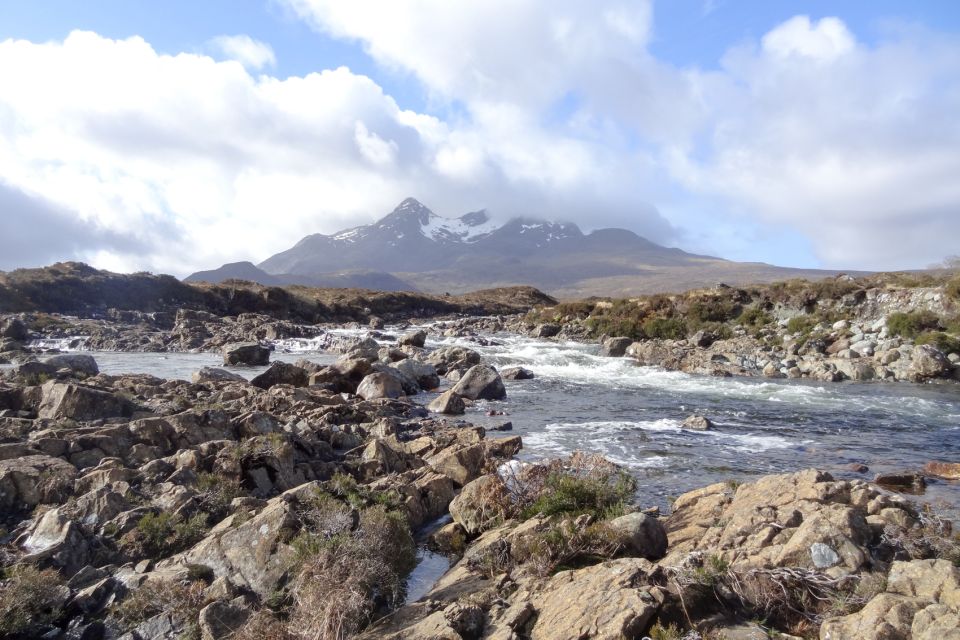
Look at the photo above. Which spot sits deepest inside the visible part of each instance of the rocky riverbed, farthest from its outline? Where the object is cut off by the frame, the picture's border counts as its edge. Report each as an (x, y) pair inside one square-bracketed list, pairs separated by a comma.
[(287, 503)]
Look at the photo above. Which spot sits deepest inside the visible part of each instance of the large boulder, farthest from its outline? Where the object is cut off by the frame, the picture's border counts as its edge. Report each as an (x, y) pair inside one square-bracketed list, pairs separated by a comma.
[(448, 402), (79, 402), (247, 354), (76, 362), (460, 464), (379, 385), (282, 373), (481, 382), (615, 347)]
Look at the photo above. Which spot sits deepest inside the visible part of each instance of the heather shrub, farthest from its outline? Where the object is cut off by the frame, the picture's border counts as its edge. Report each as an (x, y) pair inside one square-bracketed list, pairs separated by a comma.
[(29, 599), (912, 324)]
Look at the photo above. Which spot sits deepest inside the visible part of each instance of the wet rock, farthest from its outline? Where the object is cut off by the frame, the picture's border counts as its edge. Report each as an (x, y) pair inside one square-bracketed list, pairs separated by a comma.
[(481, 382), (216, 375), (379, 385), (948, 470), (615, 347), (449, 402), (249, 354), (546, 330), (517, 373), (80, 402), (75, 362), (446, 359), (423, 373), (698, 423), (858, 467), (644, 534), (906, 480), (281, 373), (413, 339)]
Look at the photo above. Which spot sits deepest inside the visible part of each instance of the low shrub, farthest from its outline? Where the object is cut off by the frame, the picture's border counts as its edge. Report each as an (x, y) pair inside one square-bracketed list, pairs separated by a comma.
[(912, 324), (801, 324), (158, 535), (567, 546), (952, 288), (754, 317), (940, 340), (580, 484), (665, 328), (348, 576), (712, 309), (218, 491), (29, 599)]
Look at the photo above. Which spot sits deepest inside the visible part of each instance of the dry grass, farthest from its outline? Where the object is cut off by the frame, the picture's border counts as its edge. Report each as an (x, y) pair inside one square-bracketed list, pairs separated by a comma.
[(29, 598), (181, 600)]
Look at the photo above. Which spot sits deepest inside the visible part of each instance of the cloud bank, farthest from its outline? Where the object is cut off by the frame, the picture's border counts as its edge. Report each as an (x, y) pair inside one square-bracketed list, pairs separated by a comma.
[(560, 111)]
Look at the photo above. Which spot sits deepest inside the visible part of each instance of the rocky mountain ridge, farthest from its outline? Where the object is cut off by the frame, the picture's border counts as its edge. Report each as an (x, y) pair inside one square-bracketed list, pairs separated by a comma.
[(422, 250)]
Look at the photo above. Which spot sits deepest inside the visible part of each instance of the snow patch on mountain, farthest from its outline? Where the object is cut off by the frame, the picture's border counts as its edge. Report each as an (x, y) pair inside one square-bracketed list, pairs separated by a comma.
[(468, 228)]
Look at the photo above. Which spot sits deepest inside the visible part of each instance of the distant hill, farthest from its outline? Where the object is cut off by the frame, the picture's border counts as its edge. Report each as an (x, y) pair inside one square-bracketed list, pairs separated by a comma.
[(374, 280), (74, 288), (422, 250)]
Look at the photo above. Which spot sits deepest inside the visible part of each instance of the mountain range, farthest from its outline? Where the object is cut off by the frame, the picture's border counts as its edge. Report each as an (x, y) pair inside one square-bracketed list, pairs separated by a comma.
[(412, 248)]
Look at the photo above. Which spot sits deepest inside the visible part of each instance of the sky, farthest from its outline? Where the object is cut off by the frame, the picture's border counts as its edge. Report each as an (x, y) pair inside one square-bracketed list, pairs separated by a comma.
[(178, 136)]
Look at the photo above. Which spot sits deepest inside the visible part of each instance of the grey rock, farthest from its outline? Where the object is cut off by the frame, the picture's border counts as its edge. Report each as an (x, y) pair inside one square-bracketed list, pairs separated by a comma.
[(379, 385), (249, 354), (449, 402), (282, 373), (645, 535), (215, 374), (76, 362), (481, 382), (615, 347)]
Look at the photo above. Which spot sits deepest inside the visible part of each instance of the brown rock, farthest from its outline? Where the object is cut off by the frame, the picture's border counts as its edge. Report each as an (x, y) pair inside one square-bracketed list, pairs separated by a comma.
[(948, 470)]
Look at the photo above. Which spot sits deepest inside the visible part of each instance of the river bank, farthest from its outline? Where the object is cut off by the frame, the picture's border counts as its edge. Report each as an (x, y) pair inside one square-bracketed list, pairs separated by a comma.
[(236, 464)]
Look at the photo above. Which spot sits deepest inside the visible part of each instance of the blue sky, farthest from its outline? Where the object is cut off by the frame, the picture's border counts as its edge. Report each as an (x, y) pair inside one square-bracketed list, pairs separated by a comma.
[(800, 133)]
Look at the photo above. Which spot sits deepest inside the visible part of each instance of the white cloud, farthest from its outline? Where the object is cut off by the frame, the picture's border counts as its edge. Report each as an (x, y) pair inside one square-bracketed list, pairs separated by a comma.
[(205, 163), (251, 53), (829, 38), (562, 112)]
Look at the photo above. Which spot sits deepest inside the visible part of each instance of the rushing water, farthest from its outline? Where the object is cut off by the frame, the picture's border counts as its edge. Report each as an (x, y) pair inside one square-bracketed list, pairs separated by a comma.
[(632, 415)]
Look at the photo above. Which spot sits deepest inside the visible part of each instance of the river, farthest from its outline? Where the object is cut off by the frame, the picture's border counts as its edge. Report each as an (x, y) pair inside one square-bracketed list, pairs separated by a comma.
[(632, 415)]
